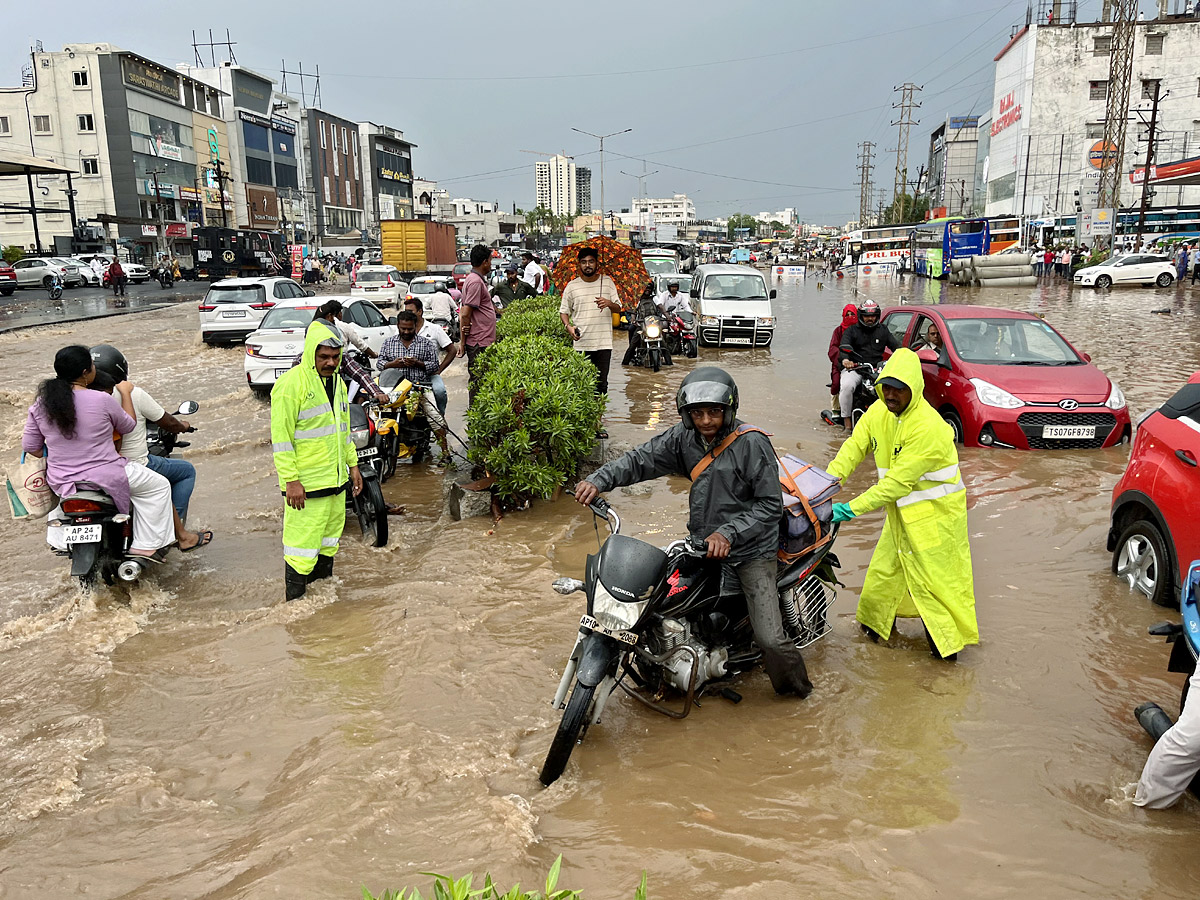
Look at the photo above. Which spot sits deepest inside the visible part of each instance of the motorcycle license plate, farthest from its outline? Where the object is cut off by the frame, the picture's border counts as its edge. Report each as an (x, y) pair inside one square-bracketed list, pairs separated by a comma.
[(234, 314), (368, 452), (730, 340), (82, 534), (1069, 432), (625, 637)]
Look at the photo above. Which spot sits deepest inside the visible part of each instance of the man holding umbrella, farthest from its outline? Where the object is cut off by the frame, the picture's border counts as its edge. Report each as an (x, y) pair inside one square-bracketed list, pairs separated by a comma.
[(588, 302)]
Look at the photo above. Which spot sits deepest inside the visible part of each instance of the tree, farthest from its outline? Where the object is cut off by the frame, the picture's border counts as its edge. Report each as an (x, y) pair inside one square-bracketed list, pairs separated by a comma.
[(742, 220), (906, 209)]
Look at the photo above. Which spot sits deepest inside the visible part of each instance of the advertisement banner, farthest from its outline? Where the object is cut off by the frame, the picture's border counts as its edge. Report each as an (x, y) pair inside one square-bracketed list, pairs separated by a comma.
[(262, 206), (159, 82), (165, 151), (149, 231), (176, 229), (297, 252)]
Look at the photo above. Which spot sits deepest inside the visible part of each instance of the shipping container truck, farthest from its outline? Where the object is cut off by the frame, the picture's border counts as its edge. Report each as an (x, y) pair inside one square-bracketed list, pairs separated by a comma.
[(417, 247)]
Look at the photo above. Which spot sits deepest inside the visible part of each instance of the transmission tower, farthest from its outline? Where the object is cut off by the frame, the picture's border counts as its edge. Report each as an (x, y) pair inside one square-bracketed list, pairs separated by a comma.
[(906, 107), (866, 148), (198, 48), (1120, 70)]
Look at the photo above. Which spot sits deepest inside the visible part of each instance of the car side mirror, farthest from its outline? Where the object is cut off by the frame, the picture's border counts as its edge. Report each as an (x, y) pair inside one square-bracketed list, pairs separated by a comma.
[(391, 320), (1087, 357), (927, 355), (310, 293), (774, 293), (694, 293), (187, 407)]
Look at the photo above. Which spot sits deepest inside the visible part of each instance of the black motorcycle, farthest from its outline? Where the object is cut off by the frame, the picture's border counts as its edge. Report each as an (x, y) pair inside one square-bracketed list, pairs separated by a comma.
[(166, 276), (369, 507), (450, 326), (864, 394), (405, 432), (662, 621), (88, 529)]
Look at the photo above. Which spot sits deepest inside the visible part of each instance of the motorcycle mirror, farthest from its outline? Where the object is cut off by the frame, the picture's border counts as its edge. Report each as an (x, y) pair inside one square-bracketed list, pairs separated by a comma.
[(566, 585), (187, 407)]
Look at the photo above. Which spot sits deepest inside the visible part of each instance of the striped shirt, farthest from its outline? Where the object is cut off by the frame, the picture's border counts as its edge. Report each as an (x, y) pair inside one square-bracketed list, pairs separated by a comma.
[(420, 348)]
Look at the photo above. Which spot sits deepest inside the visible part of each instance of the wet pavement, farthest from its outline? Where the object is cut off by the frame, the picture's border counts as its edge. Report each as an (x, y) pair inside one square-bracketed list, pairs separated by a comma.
[(201, 739), (32, 306)]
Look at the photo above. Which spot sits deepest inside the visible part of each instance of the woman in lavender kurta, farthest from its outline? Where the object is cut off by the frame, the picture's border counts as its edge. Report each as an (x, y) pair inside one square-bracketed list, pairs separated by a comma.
[(76, 428)]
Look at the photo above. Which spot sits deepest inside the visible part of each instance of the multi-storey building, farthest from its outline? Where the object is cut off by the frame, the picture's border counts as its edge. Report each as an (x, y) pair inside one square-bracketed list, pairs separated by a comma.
[(333, 176), (677, 210), (950, 176), (557, 185), (583, 188), (387, 174)]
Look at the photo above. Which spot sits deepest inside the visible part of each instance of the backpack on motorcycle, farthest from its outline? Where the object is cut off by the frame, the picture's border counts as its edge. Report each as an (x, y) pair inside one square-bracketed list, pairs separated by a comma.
[(808, 494)]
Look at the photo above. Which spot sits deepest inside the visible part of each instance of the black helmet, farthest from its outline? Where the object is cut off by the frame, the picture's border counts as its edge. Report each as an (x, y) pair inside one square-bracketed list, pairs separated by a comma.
[(111, 361), (707, 386), (868, 308)]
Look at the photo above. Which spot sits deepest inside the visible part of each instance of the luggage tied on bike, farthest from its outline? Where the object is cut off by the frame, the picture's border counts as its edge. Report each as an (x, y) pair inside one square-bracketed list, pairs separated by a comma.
[(808, 493)]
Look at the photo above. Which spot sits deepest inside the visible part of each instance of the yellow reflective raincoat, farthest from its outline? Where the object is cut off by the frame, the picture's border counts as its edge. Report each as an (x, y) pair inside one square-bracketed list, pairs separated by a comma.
[(922, 564)]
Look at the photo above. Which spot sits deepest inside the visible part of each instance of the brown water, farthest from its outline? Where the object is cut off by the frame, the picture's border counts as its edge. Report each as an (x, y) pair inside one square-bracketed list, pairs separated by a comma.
[(202, 739)]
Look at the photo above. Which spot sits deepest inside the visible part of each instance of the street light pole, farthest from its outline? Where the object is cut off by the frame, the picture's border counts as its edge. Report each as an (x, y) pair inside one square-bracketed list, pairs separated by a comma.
[(601, 138)]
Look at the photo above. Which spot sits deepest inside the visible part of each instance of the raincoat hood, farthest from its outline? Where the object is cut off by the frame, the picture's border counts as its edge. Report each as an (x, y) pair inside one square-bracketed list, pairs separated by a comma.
[(849, 315), (318, 332), (905, 365)]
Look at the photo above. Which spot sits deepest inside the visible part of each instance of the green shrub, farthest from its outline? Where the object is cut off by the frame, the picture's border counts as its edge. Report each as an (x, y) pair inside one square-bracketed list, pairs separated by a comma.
[(534, 416), (12, 253), (447, 888), (533, 315)]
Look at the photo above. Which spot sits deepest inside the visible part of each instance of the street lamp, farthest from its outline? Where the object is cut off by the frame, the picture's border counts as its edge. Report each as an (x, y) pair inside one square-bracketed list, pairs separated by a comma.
[(601, 138)]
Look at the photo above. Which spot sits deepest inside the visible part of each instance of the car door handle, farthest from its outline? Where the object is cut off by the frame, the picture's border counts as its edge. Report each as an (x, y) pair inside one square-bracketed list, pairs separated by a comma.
[(1184, 457)]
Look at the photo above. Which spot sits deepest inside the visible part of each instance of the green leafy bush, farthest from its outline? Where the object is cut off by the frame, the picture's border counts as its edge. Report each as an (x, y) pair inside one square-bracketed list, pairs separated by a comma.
[(447, 888), (533, 315), (534, 416), (12, 253)]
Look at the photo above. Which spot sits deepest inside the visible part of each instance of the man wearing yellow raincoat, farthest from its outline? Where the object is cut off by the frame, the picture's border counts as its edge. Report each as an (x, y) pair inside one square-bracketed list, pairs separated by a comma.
[(922, 564)]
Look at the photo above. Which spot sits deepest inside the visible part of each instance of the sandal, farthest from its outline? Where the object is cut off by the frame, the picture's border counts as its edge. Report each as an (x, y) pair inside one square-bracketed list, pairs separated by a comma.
[(396, 509), (205, 539), (158, 557), (602, 435)]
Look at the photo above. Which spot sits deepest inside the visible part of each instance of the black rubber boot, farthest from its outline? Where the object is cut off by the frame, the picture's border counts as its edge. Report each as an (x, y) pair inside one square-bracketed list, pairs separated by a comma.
[(869, 633), (323, 569), (934, 650), (294, 584)]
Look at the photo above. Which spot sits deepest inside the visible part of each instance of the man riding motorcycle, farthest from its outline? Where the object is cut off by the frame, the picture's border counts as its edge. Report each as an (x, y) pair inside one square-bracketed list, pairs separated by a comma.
[(862, 342), (735, 504), (671, 299), (647, 306)]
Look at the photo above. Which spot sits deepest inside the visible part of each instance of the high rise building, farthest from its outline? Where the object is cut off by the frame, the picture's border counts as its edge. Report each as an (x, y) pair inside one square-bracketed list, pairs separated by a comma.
[(557, 185), (583, 189)]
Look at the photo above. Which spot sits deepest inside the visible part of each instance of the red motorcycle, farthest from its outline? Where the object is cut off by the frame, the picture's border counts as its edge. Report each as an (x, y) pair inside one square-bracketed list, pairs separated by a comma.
[(681, 333)]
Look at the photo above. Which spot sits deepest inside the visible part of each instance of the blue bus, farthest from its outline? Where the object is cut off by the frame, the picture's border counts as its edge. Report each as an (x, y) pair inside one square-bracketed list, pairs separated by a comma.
[(936, 242)]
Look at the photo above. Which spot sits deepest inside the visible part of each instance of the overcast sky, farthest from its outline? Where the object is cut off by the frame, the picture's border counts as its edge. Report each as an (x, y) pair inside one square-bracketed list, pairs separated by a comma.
[(744, 106)]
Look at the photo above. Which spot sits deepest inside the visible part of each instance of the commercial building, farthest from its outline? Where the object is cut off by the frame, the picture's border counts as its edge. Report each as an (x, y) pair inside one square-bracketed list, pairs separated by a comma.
[(387, 174), (557, 185), (783, 216), (430, 201), (583, 189), (140, 135), (677, 210), (333, 177), (950, 177)]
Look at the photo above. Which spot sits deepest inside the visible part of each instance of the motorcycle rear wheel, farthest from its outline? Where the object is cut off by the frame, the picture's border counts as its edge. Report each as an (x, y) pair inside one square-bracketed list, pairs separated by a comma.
[(372, 513), (569, 733)]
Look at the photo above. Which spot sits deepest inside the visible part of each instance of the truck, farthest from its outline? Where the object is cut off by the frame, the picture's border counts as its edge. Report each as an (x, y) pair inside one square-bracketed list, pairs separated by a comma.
[(237, 253), (417, 247)]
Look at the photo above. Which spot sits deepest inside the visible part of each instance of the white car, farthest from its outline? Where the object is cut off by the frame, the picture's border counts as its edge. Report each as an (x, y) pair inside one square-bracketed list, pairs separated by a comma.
[(90, 278), (136, 272), (233, 307), (382, 285), (1134, 268), (733, 306), (36, 271), (279, 339)]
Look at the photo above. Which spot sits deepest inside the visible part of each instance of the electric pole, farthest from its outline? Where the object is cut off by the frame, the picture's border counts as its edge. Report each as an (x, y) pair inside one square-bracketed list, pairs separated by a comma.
[(866, 148), (158, 216), (906, 107), (1120, 72), (641, 180), (1157, 88)]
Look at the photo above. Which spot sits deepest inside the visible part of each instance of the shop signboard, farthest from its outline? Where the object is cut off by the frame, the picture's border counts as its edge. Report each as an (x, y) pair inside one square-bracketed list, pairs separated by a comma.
[(176, 229), (250, 92), (163, 150), (149, 231), (151, 79)]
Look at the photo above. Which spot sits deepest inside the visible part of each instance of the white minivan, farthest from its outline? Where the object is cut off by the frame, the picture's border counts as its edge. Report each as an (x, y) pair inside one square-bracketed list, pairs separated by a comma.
[(732, 306)]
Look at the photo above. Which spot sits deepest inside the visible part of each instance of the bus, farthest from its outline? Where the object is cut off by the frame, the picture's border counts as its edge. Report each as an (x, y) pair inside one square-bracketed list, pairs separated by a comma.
[(1003, 232), (876, 251), (232, 252), (936, 242)]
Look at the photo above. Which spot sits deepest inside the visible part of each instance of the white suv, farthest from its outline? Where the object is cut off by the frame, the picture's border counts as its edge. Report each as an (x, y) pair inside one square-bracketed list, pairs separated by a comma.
[(233, 307), (382, 285)]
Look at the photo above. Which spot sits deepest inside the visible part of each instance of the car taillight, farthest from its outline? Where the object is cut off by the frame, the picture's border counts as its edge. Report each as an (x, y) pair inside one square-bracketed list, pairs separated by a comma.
[(204, 307), (266, 304), (254, 349), (81, 506), (390, 283)]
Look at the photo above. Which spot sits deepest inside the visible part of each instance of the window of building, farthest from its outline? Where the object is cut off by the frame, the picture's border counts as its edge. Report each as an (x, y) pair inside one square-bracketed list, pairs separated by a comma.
[(1154, 44), (357, 176), (327, 200), (335, 156), (214, 104), (1195, 132), (1095, 130), (86, 123), (90, 166), (256, 137), (1102, 45), (1097, 90), (344, 144), (285, 176), (41, 125), (188, 100), (1148, 89), (80, 79), (322, 134), (4, 126), (349, 200), (258, 171)]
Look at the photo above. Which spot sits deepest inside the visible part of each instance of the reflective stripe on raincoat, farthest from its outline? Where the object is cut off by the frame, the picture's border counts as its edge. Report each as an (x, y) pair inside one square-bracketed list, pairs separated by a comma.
[(310, 437), (922, 564)]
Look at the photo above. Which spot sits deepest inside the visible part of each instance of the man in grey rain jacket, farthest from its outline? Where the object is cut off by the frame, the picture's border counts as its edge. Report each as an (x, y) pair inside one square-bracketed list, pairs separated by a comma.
[(735, 505)]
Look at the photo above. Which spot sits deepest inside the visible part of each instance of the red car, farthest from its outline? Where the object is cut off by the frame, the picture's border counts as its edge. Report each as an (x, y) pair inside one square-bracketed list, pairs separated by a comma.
[(8, 279), (1004, 378), (460, 273), (1154, 533)]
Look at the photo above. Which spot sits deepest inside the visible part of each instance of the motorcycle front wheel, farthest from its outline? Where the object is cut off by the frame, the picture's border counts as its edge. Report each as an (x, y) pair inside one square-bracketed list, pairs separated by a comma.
[(655, 360), (372, 513), (569, 730), (691, 349)]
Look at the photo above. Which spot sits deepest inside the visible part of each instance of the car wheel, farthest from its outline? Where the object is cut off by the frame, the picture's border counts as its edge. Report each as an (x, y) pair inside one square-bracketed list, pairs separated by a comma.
[(8, 292), (1164, 280), (1103, 281), (1142, 562), (954, 420)]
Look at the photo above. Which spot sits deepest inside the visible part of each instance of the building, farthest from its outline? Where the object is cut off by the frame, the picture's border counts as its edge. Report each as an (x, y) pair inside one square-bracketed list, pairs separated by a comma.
[(481, 223), (430, 201), (333, 177), (678, 211), (466, 207), (783, 216), (387, 174), (1046, 130), (557, 185), (583, 188), (950, 177), (142, 137)]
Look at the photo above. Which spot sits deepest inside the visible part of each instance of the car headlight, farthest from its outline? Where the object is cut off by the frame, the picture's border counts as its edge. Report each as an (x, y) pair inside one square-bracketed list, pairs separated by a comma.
[(766, 322), (615, 614), (1116, 399), (653, 332), (710, 320), (990, 395)]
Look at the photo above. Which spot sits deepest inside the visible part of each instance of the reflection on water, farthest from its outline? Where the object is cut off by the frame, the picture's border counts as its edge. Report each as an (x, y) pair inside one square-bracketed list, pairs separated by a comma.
[(200, 739)]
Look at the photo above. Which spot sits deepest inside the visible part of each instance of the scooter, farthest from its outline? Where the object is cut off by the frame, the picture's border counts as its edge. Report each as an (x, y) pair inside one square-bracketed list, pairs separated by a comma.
[(88, 529), (864, 395), (54, 286), (368, 507), (663, 620), (166, 276)]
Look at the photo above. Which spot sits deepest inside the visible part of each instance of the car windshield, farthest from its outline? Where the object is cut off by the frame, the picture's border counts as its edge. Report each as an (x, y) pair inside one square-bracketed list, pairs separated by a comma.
[(658, 265), (377, 276), (1010, 342), (58, 260), (734, 287), (287, 317), (423, 287), (235, 293)]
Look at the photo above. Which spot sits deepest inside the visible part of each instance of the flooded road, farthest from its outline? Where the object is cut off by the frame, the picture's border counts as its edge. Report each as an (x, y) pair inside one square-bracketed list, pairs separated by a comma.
[(202, 739)]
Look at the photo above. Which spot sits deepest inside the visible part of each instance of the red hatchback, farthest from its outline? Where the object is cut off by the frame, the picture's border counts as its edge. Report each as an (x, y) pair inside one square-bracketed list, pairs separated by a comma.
[(8, 279), (1154, 533), (1004, 378), (460, 273)]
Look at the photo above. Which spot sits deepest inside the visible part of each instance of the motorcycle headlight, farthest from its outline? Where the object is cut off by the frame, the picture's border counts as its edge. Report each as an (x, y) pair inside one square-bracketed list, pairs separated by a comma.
[(614, 614), (361, 439), (766, 322), (990, 395), (710, 320), (653, 332), (1116, 399)]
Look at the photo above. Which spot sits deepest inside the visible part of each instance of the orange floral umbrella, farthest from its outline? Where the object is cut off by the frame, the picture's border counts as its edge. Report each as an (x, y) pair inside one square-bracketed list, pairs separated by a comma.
[(618, 262)]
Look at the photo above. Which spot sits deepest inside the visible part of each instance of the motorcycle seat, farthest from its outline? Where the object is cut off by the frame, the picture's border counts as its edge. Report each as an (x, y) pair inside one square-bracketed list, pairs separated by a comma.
[(96, 496)]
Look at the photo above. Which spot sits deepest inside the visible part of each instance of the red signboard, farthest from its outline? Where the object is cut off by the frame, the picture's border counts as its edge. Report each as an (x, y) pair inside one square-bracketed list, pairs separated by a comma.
[(1010, 114), (176, 229)]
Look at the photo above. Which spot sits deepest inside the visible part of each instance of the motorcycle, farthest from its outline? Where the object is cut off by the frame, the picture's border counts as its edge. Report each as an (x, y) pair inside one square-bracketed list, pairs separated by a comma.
[(1185, 651), (87, 528), (864, 395), (405, 432), (165, 276), (450, 326), (648, 344), (54, 286), (681, 333), (369, 507), (662, 619)]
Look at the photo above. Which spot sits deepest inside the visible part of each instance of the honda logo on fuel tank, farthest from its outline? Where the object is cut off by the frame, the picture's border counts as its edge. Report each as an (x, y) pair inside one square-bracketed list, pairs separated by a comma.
[(1068, 404)]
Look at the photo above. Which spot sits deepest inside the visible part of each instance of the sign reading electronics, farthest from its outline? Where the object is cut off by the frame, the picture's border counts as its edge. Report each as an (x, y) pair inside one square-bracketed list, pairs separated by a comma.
[(1010, 114)]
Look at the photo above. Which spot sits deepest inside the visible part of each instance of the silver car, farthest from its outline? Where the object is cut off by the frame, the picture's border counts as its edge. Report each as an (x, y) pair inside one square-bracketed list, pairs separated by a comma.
[(38, 271)]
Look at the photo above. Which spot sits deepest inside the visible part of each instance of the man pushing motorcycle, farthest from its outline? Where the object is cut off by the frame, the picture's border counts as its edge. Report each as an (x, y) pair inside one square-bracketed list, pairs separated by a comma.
[(735, 504)]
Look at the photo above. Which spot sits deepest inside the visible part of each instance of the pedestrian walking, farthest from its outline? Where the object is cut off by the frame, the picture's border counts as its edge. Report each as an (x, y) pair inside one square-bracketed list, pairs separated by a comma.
[(1181, 262), (476, 316), (534, 276), (117, 278), (1195, 263), (589, 302)]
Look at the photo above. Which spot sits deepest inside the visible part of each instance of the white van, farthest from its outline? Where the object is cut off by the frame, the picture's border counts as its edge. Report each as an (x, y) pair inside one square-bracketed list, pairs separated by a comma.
[(733, 306), (660, 260)]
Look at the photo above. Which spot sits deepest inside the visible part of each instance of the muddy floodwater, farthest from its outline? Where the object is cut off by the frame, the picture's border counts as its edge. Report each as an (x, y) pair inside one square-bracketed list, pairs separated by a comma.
[(200, 738)]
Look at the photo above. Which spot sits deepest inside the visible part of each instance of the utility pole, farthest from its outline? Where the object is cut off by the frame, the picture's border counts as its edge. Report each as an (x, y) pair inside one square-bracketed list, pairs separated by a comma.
[(906, 107), (1158, 95), (221, 190), (601, 138), (641, 180), (158, 217), (866, 149), (1120, 72)]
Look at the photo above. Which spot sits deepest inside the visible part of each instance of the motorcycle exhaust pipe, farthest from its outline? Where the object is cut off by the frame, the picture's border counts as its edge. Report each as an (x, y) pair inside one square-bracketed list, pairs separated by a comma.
[(1152, 718), (129, 571)]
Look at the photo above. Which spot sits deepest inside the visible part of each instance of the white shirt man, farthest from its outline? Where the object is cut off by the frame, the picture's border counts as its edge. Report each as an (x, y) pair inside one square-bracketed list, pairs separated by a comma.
[(669, 302), (440, 305), (534, 275), (97, 267)]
